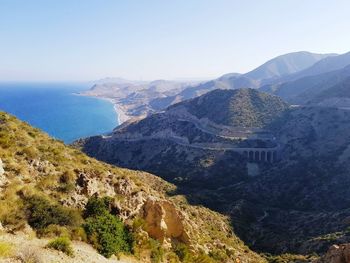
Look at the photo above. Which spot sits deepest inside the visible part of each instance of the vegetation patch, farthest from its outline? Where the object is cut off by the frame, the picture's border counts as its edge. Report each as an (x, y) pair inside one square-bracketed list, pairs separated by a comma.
[(41, 213), (62, 244), (5, 249), (105, 231)]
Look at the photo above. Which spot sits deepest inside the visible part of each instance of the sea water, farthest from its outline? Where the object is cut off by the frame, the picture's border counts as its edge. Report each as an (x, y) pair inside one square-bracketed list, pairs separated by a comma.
[(57, 109)]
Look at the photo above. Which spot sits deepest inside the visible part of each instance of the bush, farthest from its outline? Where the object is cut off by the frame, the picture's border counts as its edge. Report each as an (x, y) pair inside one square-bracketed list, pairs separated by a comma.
[(78, 233), (52, 231), (42, 213), (218, 255), (97, 206), (5, 249), (107, 234), (182, 251), (105, 231), (62, 244), (157, 252)]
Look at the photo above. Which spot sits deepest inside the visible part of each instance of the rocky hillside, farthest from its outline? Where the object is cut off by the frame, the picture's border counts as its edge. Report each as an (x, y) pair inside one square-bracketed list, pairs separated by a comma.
[(300, 204), (54, 190), (297, 205), (196, 136)]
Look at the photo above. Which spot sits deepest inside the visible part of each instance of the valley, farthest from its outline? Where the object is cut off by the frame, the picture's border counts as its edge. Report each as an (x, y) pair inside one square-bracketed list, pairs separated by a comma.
[(278, 170)]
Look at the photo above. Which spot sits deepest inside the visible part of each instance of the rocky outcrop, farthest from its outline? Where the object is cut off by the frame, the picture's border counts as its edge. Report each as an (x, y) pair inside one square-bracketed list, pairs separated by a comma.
[(163, 221), (2, 171), (336, 254), (2, 174)]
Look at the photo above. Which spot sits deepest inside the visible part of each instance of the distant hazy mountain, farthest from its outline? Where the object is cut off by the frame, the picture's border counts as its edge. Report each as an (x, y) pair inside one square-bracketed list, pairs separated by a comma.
[(306, 89), (116, 81), (330, 63), (285, 65), (273, 69), (132, 97), (135, 99), (336, 96)]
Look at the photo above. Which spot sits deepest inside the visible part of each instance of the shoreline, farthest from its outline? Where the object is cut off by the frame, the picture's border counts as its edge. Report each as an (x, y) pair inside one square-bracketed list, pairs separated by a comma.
[(120, 113)]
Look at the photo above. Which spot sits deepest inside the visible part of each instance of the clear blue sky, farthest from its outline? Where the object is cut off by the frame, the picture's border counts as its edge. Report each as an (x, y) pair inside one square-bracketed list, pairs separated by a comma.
[(154, 39)]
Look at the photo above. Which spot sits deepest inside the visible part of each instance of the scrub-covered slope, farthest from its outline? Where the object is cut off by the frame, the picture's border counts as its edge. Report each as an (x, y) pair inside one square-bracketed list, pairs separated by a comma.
[(46, 184)]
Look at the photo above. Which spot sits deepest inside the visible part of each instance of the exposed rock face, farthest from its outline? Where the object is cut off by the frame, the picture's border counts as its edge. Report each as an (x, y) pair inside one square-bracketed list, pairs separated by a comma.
[(164, 221), (336, 254), (2, 172)]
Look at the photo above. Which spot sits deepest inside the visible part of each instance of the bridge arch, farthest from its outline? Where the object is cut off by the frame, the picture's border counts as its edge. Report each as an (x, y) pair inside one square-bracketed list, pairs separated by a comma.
[(251, 156), (274, 156), (268, 156), (245, 154), (257, 156)]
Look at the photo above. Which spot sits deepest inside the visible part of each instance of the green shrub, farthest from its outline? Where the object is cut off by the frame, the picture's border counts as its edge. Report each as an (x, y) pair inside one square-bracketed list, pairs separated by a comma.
[(53, 231), (62, 244), (42, 213), (203, 258), (78, 233), (182, 251), (105, 231), (157, 252), (5, 249), (97, 206), (218, 255)]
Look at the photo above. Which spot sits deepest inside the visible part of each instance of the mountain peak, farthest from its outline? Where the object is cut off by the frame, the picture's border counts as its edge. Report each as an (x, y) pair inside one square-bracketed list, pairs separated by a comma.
[(286, 64), (241, 107)]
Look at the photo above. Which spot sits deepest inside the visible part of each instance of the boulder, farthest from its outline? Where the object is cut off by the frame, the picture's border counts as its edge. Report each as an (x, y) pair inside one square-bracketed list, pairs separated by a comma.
[(163, 221), (336, 254)]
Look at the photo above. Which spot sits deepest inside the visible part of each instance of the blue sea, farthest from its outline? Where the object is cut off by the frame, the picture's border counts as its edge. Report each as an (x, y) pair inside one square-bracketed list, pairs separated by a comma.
[(56, 109)]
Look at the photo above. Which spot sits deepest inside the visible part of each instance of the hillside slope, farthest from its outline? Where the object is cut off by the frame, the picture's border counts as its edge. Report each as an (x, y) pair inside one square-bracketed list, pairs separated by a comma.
[(197, 136), (285, 65), (241, 108), (37, 170), (296, 205), (304, 90)]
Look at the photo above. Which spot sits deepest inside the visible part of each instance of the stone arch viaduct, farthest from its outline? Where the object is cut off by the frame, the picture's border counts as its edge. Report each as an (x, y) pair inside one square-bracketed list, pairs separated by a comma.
[(269, 155)]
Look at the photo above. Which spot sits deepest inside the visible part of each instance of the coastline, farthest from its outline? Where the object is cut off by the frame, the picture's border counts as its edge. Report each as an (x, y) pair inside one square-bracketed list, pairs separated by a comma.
[(120, 113)]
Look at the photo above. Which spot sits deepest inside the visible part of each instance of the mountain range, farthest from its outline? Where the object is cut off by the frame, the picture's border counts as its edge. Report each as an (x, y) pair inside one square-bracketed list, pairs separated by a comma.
[(276, 76)]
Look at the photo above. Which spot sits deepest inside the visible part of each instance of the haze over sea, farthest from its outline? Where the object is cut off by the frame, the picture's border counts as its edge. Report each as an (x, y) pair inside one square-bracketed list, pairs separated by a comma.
[(56, 109)]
